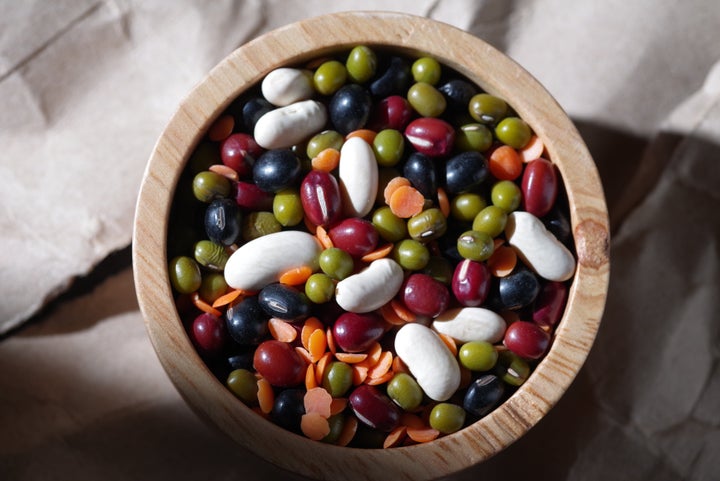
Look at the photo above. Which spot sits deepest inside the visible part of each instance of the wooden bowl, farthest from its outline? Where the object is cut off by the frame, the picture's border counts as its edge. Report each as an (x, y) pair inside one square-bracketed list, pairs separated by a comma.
[(496, 74)]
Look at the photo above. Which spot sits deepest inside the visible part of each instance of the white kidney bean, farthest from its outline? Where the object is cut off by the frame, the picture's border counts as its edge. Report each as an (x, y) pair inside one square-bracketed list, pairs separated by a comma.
[(538, 247), (370, 288), (467, 324), (286, 126), (429, 360), (261, 261), (358, 176), (285, 86)]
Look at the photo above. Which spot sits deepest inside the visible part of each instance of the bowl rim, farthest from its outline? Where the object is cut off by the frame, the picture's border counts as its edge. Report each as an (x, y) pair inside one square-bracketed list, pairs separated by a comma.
[(495, 73)]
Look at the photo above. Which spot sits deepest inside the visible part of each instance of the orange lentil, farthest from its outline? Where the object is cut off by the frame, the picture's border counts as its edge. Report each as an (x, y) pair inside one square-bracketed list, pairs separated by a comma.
[(382, 366), (374, 353), (225, 171), (314, 426), (311, 324), (323, 237), (390, 316), (376, 381), (449, 342), (403, 312), (221, 128), (204, 306), (281, 330), (392, 185), (378, 253), (395, 437), (310, 380), (406, 202), (327, 160), (443, 202), (318, 400), (502, 261), (534, 149), (422, 434), (295, 276), (321, 365), (304, 354), (359, 374), (332, 347), (266, 395), (399, 366), (228, 298), (317, 344), (505, 163), (350, 357), (338, 405), (366, 134)]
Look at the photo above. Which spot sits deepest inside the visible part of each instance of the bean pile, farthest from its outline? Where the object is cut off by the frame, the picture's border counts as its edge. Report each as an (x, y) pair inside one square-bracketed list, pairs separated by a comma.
[(369, 250)]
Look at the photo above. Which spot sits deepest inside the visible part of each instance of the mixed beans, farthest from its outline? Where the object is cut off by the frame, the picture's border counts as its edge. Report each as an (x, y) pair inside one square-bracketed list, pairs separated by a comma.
[(369, 250)]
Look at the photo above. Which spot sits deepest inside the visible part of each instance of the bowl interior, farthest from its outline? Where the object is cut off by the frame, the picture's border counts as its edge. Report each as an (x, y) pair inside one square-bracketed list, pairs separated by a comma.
[(493, 72)]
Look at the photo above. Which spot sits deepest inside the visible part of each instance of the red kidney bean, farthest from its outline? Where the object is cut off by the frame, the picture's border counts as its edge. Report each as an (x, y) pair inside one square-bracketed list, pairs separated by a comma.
[(374, 408), (471, 283), (239, 152), (354, 332), (431, 136), (279, 363), (392, 112), (320, 197), (526, 339), (539, 187), (209, 334), (250, 197), (549, 303), (355, 236), (425, 296)]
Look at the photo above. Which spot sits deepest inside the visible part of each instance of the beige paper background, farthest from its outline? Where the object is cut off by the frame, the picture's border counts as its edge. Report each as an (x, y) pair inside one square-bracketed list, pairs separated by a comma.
[(87, 86)]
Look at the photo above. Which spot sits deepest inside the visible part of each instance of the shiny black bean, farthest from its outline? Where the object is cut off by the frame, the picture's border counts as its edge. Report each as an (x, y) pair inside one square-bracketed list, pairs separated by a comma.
[(276, 170), (518, 289), (247, 322), (284, 302), (253, 110), (458, 93), (557, 222), (223, 221), (349, 108), (483, 395), (419, 169), (465, 171), (241, 360), (394, 81), (289, 408)]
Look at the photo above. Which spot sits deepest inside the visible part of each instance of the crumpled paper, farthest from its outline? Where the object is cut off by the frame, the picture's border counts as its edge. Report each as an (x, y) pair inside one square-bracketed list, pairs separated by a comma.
[(87, 86)]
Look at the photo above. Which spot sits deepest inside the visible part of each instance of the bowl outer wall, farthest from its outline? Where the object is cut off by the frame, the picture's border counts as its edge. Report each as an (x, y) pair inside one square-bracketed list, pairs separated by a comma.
[(496, 74)]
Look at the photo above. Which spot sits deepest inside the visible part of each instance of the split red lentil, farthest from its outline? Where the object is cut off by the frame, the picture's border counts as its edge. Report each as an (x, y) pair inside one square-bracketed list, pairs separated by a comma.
[(448, 182)]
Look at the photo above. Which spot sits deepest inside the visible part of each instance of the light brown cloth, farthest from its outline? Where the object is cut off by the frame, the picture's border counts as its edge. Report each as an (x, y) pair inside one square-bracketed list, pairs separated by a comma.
[(87, 86)]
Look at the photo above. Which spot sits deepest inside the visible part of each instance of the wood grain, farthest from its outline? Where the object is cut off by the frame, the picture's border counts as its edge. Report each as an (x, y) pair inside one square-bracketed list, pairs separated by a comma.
[(495, 73)]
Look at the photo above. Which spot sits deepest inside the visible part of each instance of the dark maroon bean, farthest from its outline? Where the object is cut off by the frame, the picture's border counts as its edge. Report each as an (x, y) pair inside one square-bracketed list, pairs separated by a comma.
[(425, 296), (320, 197), (284, 302), (526, 339), (209, 334), (355, 236), (518, 289), (419, 169), (483, 394), (374, 408), (395, 80), (550, 303), (458, 93), (471, 283), (279, 363), (431, 136), (392, 112), (354, 332), (253, 110), (276, 170), (239, 152), (249, 196), (539, 187), (288, 409), (465, 172), (223, 221), (349, 108), (247, 322)]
